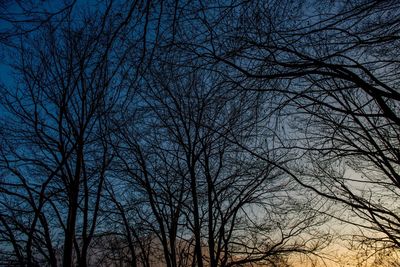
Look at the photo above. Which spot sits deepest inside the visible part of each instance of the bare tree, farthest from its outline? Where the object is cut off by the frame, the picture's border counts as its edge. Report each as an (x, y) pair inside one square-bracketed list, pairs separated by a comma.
[(188, 162), (56, 133), (147, 130), (336, 68)]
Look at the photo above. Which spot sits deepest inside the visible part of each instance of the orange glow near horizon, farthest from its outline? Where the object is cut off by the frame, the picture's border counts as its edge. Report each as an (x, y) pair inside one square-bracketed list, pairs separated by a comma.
[(339, 256)]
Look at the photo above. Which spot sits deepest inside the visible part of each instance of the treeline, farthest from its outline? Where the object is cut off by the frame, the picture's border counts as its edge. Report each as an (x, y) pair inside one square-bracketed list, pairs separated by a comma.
[(185, 133)]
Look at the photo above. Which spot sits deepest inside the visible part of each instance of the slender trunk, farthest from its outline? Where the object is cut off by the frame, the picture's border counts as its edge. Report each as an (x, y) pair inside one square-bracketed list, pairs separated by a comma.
[(83, 257), (152, 200), (196, 217), (73, 209), (211, 242), (172, 242), (70, 233), (133, 261)]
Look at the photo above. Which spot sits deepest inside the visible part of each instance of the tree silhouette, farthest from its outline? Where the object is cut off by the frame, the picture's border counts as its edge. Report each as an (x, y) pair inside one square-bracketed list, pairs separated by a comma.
[(197, 133), (337, 75)]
